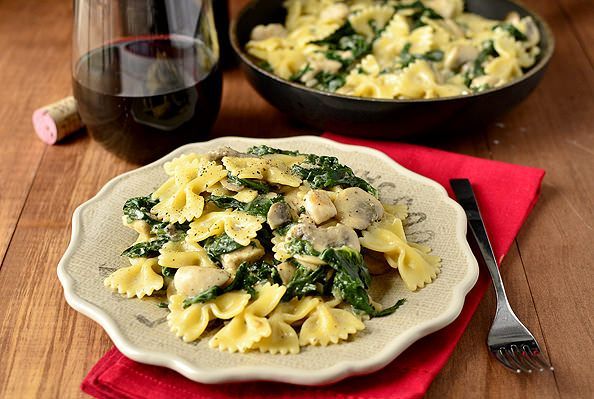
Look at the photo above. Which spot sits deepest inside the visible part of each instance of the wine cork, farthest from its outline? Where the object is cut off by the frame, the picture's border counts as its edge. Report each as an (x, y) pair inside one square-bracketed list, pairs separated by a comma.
[(56, 121)]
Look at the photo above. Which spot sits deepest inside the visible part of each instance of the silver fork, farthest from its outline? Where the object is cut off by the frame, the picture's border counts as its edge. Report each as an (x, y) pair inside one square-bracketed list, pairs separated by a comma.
[(509, 340)]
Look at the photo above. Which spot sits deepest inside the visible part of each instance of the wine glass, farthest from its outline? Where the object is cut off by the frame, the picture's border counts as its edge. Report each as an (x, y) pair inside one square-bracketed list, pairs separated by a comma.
[(146, 73)]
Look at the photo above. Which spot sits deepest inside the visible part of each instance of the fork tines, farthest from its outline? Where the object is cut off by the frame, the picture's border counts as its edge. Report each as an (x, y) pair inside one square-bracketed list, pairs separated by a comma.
[(521, 358)]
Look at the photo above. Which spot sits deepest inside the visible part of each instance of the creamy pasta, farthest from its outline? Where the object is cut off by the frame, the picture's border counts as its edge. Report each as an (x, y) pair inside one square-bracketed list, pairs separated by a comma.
[(279, 245), (395, 49)]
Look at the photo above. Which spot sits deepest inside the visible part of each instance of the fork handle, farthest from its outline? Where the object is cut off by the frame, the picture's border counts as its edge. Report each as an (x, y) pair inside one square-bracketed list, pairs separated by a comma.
[(467, 200)]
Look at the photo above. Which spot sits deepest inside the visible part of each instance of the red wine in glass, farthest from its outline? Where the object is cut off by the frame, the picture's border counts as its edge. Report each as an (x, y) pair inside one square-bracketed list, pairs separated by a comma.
[(144, 96)]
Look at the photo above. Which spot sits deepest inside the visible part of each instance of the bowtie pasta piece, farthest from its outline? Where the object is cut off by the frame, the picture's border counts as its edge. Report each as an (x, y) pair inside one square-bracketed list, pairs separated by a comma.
[(272, 169), (415, 265), (138, 280), (176, 254), (283, 338), (328, 325), (190, 323), (238, 225), (251, 325), (179, 197)]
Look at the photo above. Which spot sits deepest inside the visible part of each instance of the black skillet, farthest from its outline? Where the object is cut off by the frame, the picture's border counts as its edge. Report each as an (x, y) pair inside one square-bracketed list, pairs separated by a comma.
[(365, 117)]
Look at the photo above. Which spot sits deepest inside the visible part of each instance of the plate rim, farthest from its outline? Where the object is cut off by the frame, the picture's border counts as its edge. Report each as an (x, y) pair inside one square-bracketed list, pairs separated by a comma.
[(338, 371)]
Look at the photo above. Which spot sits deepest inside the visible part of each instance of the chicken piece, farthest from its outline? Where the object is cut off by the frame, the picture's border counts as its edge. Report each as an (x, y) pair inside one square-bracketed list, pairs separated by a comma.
[(278, 214), (263, 32), (319, 206), (286, 270), (232, 260), (357, 208), (192, 280), (459, 55)]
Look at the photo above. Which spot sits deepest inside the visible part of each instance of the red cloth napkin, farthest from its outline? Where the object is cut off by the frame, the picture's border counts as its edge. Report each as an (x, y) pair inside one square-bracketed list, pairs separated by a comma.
[(506, 194)]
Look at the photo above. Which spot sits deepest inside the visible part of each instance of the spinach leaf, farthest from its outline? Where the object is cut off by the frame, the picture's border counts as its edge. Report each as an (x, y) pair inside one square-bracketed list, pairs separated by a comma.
[(512, 31), (297, 246), (407, 58), (258, 207), (257, 185), (305, 282), (352, 280), (146, 249), (224, 202), (284, 229), (488, 50), (296, 77), (172, 231), (219, 245), (420, 11), (265, 65), (204, 296), (168, 271), (139, 208), (330, 81), (248, 275), (333, 39), (260, 150), (327, 172), (163, 305)]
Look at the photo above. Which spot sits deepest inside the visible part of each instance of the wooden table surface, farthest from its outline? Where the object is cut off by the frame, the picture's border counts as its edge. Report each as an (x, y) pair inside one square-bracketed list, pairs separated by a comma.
[(46, 348)]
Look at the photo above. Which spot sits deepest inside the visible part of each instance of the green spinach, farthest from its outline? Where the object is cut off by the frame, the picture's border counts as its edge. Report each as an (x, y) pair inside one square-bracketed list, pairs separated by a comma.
[(305, 282), (219, 245), (352, 280), (297, 246), (327, 172), (248, 275), (257, 185), (407, 58), (258, 207), (488, 50), (260, 150), (146, 249), (512, 31), (139, 208)]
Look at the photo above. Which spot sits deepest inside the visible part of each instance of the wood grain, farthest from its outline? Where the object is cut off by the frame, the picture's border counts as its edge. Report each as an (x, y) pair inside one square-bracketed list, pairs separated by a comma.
[(47, 348)]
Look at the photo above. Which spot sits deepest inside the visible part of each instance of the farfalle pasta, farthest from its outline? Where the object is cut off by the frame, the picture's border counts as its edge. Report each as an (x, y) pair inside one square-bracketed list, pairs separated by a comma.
[(418, 48), (267, 250)]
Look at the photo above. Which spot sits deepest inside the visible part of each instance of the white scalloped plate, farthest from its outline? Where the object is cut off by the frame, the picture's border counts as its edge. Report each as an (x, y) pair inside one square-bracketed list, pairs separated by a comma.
[(138, 327)]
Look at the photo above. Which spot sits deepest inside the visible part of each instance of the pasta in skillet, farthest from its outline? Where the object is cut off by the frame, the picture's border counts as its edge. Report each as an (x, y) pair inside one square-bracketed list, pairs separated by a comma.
[(395, 49), (275, 244)]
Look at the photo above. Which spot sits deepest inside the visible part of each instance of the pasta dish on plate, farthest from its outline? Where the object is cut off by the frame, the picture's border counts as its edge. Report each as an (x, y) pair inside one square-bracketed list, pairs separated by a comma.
[(268, 250), (394, 49)]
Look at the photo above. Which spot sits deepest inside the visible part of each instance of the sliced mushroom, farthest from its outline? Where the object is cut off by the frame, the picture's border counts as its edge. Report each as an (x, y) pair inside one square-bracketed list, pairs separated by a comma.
[(278, 214), (322, 238), (319, 206), (286, 270), (263, 32), (221, 152), (459, 55), (232, 260), (231, 186), (192, 280), (357, 208)]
